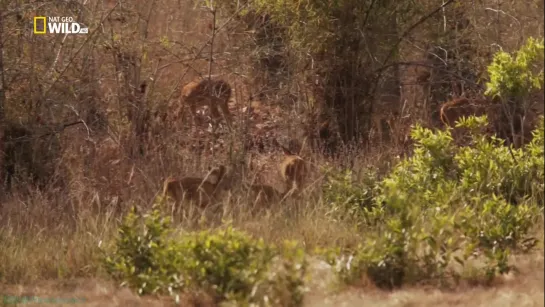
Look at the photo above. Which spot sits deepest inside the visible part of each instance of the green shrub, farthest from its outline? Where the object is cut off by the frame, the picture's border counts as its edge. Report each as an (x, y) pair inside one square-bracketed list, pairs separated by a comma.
[(447, 205), (489, 168), (145, 257), (534, 162), (234, 266), (347, 199), (518, 75), (284, 285), (228, 264)]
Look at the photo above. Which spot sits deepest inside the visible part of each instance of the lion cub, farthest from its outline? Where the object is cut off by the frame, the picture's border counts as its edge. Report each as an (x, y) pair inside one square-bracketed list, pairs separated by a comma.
[(202, 191)]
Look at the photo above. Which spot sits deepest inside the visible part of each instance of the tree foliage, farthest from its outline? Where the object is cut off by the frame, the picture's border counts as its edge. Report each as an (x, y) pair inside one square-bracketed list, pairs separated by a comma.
[(518, 74)]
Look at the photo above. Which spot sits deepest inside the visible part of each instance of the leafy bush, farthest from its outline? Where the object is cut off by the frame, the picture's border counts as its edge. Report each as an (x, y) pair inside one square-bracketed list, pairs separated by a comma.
[(348, 199), (517, 76), (228, 264), (145, 257), (447, 205), (489, 168), (450, 203), (535, 167)]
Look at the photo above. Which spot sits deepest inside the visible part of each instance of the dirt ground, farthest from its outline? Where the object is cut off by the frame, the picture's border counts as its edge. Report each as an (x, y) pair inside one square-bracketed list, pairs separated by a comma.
[(525, 288)]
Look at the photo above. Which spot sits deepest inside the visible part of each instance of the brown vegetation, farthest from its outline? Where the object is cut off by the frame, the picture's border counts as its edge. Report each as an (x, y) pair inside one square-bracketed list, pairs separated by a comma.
[(263, 195), (321, 86), (506, 120)]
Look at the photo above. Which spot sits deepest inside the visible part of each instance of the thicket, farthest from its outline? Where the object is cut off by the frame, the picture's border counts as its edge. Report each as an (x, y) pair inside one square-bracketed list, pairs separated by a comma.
[(444, 215), (447, 214), (329, 65)]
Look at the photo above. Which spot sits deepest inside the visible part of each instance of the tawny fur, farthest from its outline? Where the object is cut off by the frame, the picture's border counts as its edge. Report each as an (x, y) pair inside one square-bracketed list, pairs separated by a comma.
[(202, 191), (453, 110), (292, 169), (215, 93)]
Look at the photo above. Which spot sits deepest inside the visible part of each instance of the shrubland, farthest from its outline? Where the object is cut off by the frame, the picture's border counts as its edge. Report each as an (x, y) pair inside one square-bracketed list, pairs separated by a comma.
[(419, 209), (445, 215)]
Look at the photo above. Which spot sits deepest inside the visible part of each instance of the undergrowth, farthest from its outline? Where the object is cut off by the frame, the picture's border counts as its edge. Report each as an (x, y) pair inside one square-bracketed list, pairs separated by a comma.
[(444, 214)]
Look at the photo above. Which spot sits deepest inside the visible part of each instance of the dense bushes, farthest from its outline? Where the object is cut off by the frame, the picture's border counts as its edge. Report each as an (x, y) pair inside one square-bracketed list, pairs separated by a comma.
[(517, 75), (445, 214), (447, 204), (429, 220), (228, 264)]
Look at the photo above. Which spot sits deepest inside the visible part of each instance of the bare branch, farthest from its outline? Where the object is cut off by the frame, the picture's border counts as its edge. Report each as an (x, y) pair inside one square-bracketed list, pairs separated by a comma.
[(92, 35), (410, 29)]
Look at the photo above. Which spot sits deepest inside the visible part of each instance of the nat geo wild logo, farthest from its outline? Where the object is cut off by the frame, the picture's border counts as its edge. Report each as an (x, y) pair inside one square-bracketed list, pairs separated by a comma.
[(58, 25)]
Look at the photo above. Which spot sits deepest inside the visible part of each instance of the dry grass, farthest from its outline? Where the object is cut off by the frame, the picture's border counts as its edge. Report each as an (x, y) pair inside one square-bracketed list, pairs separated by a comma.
[(55, 254), (50, 240)]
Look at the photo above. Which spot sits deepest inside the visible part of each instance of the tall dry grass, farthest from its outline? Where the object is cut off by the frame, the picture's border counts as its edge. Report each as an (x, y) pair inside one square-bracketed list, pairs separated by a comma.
[(56, 233)]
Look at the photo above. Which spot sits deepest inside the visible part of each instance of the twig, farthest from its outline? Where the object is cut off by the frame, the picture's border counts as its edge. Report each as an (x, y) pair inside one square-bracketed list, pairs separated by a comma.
[(411, 28), (497, 11), (211, 57), (2, 78), (430, 66), (177, 85), (92, 35), (54, 64), (79, 121)]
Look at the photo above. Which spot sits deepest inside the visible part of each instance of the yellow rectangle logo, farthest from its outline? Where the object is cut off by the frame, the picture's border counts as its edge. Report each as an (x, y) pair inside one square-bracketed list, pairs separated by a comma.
[(39, 21)]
